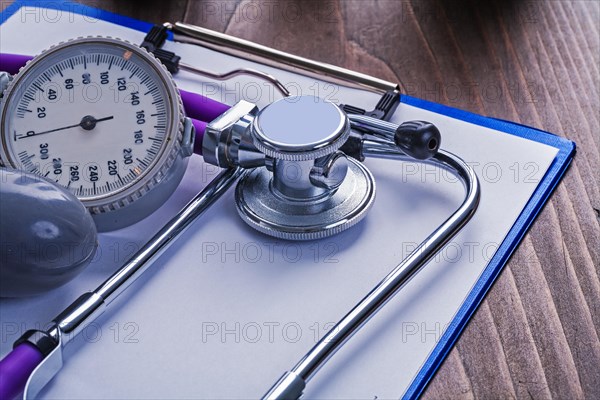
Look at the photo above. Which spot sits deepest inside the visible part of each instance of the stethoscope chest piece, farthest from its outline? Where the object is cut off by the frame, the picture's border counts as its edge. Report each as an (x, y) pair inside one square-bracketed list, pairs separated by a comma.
[(307, 189), (263, 208)]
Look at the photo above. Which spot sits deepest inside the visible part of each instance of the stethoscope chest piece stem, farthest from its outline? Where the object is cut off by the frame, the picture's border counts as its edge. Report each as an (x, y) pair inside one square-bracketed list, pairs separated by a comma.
[(266, 210)]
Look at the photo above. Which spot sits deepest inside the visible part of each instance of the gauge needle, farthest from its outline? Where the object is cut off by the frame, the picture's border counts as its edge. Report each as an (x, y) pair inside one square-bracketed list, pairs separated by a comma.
[(88, 123)]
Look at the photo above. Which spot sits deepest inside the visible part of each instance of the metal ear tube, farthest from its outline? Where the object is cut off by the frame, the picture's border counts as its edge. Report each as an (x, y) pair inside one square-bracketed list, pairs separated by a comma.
[(305, 203), (292, 383), (90, 305)]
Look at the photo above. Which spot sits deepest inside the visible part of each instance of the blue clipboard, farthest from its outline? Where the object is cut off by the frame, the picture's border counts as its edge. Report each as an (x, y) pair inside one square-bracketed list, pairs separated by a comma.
[(566, 152)]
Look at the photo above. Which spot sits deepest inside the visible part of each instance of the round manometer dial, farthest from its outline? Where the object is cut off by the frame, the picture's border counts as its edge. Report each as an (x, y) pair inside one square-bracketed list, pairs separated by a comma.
[(100, 117)]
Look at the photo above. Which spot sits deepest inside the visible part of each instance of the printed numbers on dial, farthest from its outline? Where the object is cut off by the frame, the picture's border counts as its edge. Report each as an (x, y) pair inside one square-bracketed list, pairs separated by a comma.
[(94, 119)]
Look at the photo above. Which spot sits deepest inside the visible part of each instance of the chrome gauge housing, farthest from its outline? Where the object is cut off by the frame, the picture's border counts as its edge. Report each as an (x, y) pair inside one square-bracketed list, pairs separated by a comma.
[(103, 118)]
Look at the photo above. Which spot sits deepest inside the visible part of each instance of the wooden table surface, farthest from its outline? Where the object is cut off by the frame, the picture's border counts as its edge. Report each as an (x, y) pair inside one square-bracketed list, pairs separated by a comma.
[(534, 62)]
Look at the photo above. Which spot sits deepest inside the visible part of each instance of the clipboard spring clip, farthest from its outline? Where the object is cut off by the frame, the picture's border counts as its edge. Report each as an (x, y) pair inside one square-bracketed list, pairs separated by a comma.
[(155, 39), (158, 34)]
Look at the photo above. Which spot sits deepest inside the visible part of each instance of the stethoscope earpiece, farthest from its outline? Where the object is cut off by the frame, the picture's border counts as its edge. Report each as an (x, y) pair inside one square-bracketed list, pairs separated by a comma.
[(419, 139)]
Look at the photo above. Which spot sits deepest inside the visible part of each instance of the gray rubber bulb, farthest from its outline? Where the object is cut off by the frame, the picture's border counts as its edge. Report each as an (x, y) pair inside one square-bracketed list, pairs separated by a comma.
[(47, 237)]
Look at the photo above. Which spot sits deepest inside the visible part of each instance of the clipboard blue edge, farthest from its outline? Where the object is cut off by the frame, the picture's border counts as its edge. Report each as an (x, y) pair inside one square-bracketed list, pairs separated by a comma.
[(566, 151)]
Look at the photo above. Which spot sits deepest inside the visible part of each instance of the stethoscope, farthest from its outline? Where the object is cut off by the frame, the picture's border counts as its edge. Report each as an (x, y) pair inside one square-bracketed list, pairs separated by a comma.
[(296, 165)]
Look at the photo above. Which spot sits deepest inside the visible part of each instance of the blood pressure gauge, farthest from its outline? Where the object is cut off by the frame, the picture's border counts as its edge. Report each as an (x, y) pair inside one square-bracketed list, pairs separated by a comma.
[(102, 118)]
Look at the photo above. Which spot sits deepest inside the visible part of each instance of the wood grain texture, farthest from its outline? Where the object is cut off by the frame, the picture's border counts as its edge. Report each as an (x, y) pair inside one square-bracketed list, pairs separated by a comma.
[(536, 335)]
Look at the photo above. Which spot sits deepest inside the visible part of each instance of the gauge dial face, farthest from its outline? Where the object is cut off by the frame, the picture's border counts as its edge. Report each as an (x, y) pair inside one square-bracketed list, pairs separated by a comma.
[(94, 115)]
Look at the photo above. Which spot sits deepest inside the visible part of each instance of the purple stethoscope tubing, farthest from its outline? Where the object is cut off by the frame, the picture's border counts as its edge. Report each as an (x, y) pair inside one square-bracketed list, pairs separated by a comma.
[(200, 109)]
